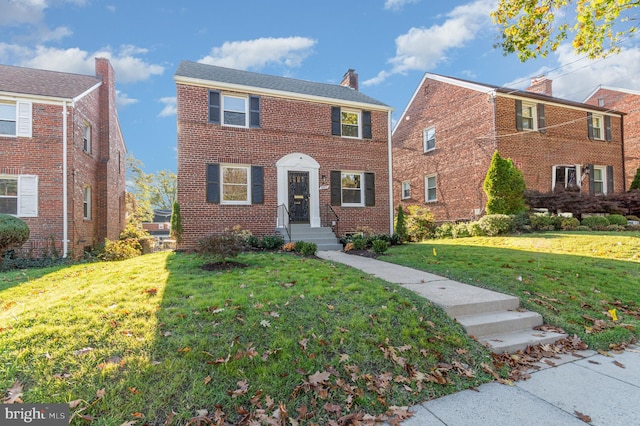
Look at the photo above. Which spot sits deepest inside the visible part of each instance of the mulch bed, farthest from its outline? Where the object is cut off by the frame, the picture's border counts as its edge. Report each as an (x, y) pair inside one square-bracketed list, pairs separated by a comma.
[(223, 266), (363, 253)]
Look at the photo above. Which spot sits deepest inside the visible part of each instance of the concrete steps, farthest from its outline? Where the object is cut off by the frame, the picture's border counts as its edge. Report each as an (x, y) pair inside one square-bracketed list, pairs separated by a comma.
[(324, 237)]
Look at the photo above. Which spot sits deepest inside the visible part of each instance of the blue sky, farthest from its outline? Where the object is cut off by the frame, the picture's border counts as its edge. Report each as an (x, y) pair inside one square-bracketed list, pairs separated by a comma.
[(390, 44)]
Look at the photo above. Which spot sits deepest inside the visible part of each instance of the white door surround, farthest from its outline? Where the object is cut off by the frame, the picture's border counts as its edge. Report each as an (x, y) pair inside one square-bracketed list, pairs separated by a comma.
[(299, 162)]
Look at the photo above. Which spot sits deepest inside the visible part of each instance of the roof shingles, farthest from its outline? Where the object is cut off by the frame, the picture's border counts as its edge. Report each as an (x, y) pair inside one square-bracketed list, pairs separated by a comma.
[(30, 81)]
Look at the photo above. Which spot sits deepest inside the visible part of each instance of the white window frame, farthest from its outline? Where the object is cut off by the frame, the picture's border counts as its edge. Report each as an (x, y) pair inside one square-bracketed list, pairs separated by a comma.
[(566, 175), (428, 135), (223, 167), (86, 202), (23, 116), (406, 190), (597, 124), (358, 113), (86, 138), (530, 106), (27, 198), (361, 203), (427, 188), (223, 109), (603, 181)]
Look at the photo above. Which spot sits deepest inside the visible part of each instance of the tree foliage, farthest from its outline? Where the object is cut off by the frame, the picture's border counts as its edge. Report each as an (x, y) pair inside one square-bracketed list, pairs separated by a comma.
[(176, 223), (532, 28), (13, 232), (151, 191), (504, 186), (635, 184), (401, 225)]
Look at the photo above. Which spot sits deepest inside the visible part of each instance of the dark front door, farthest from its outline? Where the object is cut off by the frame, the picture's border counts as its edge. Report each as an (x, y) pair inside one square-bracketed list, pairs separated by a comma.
[(299, 197)]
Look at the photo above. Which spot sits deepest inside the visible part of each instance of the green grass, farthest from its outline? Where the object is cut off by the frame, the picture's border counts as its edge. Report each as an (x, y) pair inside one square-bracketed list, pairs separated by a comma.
[(148, 337), (572, 278)]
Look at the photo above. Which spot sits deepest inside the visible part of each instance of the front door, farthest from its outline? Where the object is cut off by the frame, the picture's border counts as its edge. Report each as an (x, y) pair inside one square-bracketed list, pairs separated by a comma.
[(298, 197)]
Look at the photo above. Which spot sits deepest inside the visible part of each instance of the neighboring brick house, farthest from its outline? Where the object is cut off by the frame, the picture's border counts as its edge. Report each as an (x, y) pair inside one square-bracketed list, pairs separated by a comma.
[(62, 154), (265, 152), (628, 102), (445, 138), (160, 225)]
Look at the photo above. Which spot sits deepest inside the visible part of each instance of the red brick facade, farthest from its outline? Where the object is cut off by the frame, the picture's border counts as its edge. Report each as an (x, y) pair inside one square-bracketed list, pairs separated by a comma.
[(294, 133), (628, 102), (471, 121), (101, 169)]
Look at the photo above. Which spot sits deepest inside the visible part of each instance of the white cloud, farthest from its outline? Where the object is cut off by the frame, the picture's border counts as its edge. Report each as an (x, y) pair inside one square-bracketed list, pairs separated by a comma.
[(169, 106), (422, 49), (397, 4), (289, 51), (28, 16), (129, 68), (123, 100)]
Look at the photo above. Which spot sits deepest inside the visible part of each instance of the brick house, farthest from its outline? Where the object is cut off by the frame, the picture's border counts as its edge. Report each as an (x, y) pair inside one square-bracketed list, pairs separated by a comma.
[(278, 154), (628, 102), (62, 154), (446, 136)]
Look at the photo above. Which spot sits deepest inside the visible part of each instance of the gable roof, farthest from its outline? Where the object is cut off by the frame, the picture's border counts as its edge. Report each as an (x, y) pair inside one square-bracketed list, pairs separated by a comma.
[(613, 89), (197, 72), (31, 81)]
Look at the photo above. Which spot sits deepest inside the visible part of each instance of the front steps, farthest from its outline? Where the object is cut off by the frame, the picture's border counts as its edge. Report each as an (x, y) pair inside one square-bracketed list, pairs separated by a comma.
[(324, 237)]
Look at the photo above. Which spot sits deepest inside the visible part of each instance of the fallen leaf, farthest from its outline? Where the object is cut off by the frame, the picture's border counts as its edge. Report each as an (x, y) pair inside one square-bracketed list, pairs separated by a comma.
[(151, 291), (303, 343), (318, 378), (265, 323), (74, 403), (83, 351), (129, 423), (102, 392), (243, 387), (13, 394), (138, 415), (207, 380), (618, 364), (583, 417)]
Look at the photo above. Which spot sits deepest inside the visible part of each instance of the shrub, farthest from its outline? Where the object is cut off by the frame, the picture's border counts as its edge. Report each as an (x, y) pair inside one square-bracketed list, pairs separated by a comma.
[(460, 230), (616, 228), (476, 230), (496, 224), (13, 232), (401, 225), (445, 230), (504, 185), (420, 223), (379, 246), (598, 223), (617, 219), (272, 242), (120, 249), (521, 222), (348, 247), (632, 217), (582, 228), (297, 246), (545, 222), (308, 249), (395, 239), (133, 232), (220, 247), (359, 243), (569, 223), (176, 223), (253, 241), (635, 184), (289, 247)]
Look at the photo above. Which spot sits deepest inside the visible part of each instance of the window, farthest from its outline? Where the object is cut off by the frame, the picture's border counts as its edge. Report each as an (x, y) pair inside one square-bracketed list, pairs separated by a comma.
[(7, 119), (528, 116), (352, 189), (599, 126), (235, 184), (19, 195), (86, 203), (566, 177), (237, 111), (430, 188), (429, 136), (86, 138), (406, 190), (599, 173), (350, 123)]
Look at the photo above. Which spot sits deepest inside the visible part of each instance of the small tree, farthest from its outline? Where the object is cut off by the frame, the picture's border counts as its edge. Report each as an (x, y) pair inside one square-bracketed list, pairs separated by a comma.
[(635, 184), (176, 223), (401, 225), (13, 232), (504, 186)]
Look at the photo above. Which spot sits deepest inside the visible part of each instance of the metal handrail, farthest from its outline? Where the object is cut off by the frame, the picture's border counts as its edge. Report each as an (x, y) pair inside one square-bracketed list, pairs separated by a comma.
[(331, 219), (283, 219)]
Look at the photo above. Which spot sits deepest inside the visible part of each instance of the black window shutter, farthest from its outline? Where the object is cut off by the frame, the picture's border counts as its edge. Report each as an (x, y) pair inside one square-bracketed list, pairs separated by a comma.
[(257, 185), (609, 179), (336, 127), (213, 183), (518, 114), (591, 180), (254, 111), (590, 125), (366, 124), (336, 187), (542, 121), (369, 189), (607, 128), (214, 106)]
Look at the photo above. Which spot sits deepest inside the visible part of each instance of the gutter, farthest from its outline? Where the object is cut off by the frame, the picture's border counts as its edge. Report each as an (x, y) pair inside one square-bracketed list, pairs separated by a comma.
[(65, 225)]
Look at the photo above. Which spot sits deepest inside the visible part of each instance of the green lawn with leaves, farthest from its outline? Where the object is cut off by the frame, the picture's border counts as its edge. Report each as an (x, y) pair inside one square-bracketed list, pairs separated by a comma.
[(158, 340), (572, 278)]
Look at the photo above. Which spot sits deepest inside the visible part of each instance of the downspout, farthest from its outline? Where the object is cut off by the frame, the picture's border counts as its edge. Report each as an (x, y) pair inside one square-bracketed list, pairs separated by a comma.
[(390, 157), (65, 227), (624, 170)]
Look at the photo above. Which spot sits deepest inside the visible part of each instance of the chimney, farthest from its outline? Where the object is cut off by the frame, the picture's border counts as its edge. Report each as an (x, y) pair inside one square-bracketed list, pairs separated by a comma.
[(350, 79), (541, 85)]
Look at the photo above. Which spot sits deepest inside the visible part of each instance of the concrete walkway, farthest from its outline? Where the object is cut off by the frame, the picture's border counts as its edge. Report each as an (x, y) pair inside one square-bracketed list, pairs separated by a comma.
[(604, 389)]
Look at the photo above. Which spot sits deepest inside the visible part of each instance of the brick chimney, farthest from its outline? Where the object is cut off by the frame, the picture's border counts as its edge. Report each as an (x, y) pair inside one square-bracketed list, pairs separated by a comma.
[(350, 79), (541, 85)]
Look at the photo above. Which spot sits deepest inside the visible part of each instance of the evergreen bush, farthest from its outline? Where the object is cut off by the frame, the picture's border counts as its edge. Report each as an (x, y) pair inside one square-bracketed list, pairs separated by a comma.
[(420, 223), (460, 230), (496, 224), (308, 249), (122, 249), (635, 184), (401, 225), (504, 185), (13, 232), (176, 223), (596, 223), (445, 230), (617, 219), (379, 246)]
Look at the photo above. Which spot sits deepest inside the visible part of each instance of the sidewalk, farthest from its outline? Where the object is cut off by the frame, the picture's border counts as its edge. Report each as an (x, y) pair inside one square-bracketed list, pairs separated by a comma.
[(604, 388)]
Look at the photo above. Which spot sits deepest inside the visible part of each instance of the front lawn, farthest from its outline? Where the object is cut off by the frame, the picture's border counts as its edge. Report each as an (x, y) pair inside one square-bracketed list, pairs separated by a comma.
[(157, 340), (572, 278)]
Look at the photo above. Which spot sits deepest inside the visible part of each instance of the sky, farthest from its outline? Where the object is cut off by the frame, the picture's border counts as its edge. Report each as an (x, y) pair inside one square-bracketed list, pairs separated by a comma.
[(389, 43)]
